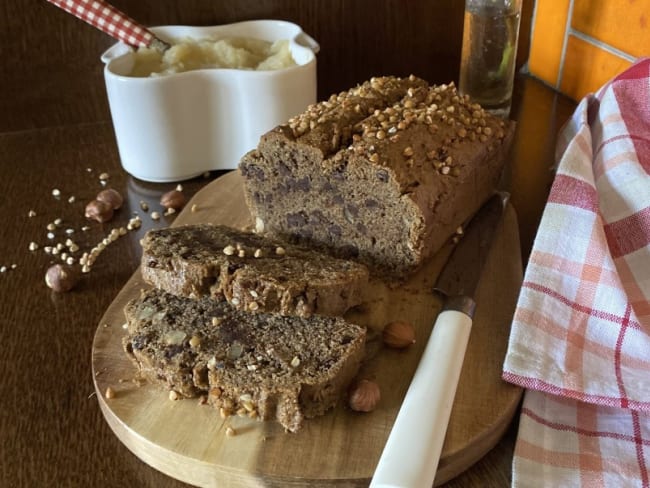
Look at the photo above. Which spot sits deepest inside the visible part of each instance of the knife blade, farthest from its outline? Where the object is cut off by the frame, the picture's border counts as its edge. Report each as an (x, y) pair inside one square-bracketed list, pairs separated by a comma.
[(412, 452)]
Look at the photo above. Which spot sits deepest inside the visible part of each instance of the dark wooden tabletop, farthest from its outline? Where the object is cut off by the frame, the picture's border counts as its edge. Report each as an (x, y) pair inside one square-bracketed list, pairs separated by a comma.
[(52, 431)]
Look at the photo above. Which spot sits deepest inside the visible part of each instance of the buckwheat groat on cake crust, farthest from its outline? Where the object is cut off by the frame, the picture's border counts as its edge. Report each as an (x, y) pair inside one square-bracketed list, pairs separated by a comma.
[(250, 271), (384, 172), (262, 365)]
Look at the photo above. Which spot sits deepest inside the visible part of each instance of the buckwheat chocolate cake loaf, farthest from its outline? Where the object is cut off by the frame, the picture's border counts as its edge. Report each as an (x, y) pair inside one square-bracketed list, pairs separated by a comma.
[(250, 271), (264, 365), (384, 172)]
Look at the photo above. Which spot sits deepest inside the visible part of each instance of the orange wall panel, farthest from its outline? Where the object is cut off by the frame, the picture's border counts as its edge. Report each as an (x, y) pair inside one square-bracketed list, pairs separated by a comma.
[(623, 24), (578, 45), (548, 39), (587, 68)]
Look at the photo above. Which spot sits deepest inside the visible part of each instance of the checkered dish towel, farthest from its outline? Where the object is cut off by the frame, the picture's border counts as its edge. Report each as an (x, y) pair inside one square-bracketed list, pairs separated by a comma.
[(580, 342)]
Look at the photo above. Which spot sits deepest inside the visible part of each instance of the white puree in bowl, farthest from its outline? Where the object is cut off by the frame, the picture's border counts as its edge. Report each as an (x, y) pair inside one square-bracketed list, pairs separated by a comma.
[(192, 54)]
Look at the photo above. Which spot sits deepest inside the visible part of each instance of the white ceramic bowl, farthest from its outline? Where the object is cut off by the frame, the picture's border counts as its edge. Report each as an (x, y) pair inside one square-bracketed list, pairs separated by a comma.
[(178, 126)]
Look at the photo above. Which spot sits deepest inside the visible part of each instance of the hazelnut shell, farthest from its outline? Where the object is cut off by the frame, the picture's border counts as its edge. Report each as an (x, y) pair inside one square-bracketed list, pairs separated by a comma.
[(61, 278), (173, 199), (112, 197), (99, 211), (364, 396), (398, 334)]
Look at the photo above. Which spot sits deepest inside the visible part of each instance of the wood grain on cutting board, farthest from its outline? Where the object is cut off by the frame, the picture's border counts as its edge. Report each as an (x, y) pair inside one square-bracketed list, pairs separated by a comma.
[(188, 441)]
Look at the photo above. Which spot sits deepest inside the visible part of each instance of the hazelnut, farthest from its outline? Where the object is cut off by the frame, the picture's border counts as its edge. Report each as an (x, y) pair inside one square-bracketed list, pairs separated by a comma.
[(61, 278), (99, 211), (364, 396), (398, 334), (112, 197), (173, 199)]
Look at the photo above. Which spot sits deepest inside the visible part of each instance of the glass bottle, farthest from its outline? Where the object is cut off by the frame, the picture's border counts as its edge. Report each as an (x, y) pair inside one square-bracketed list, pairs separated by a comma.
[(490, 35)]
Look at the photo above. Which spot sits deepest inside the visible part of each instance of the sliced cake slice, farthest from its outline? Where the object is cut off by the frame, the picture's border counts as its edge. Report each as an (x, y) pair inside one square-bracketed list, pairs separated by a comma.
[(265, 365), (251, 272)]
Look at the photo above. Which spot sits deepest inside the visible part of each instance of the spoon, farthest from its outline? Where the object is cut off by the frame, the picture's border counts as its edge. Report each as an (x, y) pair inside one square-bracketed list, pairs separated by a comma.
[(113, 22)]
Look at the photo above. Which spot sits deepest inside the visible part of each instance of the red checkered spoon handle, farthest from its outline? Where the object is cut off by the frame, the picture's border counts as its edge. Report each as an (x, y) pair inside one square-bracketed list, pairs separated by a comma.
[(112, 21)]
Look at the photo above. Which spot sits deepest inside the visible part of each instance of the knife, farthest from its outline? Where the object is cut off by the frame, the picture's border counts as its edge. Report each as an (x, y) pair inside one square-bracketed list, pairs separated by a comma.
[(412, 452)]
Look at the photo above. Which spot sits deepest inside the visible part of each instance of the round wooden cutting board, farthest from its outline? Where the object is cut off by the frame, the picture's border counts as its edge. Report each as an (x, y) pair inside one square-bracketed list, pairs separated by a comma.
[(188, 441)]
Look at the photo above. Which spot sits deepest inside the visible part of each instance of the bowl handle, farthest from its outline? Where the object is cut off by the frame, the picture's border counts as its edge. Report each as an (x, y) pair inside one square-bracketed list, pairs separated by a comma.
[(114, 51), (307, 41)]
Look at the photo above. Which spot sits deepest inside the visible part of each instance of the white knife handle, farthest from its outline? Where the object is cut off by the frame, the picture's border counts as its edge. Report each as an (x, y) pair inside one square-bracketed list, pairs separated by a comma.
[(412, 452)]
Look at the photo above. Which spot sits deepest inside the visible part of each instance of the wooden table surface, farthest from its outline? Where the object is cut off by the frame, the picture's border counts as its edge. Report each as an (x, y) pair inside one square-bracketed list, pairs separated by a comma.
[(51, 429)]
